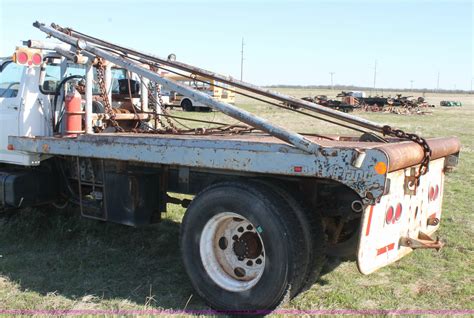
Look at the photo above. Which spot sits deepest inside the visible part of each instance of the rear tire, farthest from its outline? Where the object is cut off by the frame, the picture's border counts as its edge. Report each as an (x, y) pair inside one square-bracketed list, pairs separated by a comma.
[(187, 105), (312, 228), (242, 247)]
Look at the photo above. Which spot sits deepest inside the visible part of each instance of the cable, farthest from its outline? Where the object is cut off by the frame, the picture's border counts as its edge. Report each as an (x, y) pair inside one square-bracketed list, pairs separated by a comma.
[(261, 100), (125, 55)]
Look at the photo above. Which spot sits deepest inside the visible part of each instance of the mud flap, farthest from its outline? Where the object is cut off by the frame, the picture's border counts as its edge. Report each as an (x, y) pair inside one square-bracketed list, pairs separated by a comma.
[(403, 220)]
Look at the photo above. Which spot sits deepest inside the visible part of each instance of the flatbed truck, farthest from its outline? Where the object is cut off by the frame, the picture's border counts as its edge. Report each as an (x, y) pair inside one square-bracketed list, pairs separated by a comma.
[(269, 204)]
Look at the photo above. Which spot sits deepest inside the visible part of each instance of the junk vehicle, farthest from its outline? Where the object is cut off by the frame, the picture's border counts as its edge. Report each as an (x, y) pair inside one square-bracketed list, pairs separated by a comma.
[(219, 91), (449, 103), (323, 100), (269, 203)]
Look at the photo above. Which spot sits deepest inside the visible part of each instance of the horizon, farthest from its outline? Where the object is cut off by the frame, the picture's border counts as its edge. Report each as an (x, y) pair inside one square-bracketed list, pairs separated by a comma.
[(286, 43)]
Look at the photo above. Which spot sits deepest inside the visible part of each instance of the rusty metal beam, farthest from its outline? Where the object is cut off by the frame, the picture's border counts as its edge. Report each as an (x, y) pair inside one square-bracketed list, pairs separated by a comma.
[(406, 154)]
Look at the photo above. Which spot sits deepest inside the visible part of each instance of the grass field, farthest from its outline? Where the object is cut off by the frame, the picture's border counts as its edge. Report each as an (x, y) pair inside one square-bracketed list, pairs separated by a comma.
[(51, 260)]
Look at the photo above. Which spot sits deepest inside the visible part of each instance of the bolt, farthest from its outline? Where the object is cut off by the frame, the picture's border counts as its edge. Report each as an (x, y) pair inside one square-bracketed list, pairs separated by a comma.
[(223, 243), (239, 272)]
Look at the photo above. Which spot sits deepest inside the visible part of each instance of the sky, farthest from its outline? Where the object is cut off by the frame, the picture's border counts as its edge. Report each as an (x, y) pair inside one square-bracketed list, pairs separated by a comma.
[(285, 42)]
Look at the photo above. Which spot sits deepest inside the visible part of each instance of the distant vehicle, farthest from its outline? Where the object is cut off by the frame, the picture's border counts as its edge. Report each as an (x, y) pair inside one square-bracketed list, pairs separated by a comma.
[(218, 91), (449, 103), (357, 94)]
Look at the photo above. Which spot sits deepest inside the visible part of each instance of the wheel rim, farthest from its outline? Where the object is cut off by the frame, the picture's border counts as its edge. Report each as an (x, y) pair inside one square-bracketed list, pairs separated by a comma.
[(232, 252)]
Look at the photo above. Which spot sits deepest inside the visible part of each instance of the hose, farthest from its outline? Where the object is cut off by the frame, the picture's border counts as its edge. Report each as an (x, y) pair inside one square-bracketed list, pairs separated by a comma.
[(57, 92)]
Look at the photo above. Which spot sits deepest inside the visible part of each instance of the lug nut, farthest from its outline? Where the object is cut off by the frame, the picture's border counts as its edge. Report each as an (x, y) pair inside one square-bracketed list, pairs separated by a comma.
[(223, 243), (239, 272)]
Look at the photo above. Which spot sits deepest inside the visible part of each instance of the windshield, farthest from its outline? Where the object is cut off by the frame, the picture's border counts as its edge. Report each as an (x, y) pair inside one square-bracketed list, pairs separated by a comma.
[(10, 78)]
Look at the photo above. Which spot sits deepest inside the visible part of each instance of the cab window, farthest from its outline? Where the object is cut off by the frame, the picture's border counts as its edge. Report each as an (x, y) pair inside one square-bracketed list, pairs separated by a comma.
[(52, 77), (117, 74), (10, 79)]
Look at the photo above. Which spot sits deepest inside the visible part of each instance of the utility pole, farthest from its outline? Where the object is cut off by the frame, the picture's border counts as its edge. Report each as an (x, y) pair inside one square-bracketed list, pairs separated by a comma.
[(411, 84), (437, 84), (332, 84), (375, 76), (242, 61)]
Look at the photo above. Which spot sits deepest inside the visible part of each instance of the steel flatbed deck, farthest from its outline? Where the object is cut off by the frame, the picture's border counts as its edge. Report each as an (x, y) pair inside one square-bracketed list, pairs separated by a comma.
[(345, 160)]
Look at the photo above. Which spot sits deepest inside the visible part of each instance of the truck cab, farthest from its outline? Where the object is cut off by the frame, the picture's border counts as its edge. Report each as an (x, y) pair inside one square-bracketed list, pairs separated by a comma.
[(24, 110)]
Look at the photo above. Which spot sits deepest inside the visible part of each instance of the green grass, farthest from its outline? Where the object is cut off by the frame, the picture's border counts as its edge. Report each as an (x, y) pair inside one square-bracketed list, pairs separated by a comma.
[(53, 260)]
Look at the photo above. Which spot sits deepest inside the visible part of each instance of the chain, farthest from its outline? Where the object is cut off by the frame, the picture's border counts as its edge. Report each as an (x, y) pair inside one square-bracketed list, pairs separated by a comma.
[(160, 103), (104, 95), (424, 165)]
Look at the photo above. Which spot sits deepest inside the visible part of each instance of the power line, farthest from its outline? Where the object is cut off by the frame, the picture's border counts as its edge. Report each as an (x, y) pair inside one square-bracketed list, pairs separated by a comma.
[(437, 84), (375, 76), (242, 61), (332, 84)]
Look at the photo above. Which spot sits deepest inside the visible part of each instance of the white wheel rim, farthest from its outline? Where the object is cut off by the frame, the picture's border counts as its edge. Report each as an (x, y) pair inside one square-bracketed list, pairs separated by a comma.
[(232, 252)]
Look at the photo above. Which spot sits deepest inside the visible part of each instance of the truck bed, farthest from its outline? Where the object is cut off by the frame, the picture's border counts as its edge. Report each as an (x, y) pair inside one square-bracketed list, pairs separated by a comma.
[(400, 154), (249, 153)]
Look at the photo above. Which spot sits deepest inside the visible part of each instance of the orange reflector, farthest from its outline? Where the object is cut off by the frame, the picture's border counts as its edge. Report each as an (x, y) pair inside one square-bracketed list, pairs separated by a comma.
[(10, 147), (380, 167)]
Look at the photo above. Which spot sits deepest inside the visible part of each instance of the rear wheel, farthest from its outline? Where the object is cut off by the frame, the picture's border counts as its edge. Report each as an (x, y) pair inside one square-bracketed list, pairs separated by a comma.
[(311, 227), (187, 105), (242, 247)]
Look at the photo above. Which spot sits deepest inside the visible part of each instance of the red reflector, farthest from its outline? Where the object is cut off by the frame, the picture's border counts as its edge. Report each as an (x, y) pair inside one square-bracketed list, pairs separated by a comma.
[(431, 194), (389, 215), (436, 192), (385, 249), (36, 59), (297, 169), (21, 57), (398, 212), (10, 147)]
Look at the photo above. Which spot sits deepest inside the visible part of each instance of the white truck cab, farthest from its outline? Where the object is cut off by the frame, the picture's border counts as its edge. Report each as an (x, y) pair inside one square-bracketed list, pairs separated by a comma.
[(23, 110)]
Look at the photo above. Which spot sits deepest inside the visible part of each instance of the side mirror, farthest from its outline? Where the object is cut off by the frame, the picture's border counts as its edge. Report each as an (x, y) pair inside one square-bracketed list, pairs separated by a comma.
[(4, 64)]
